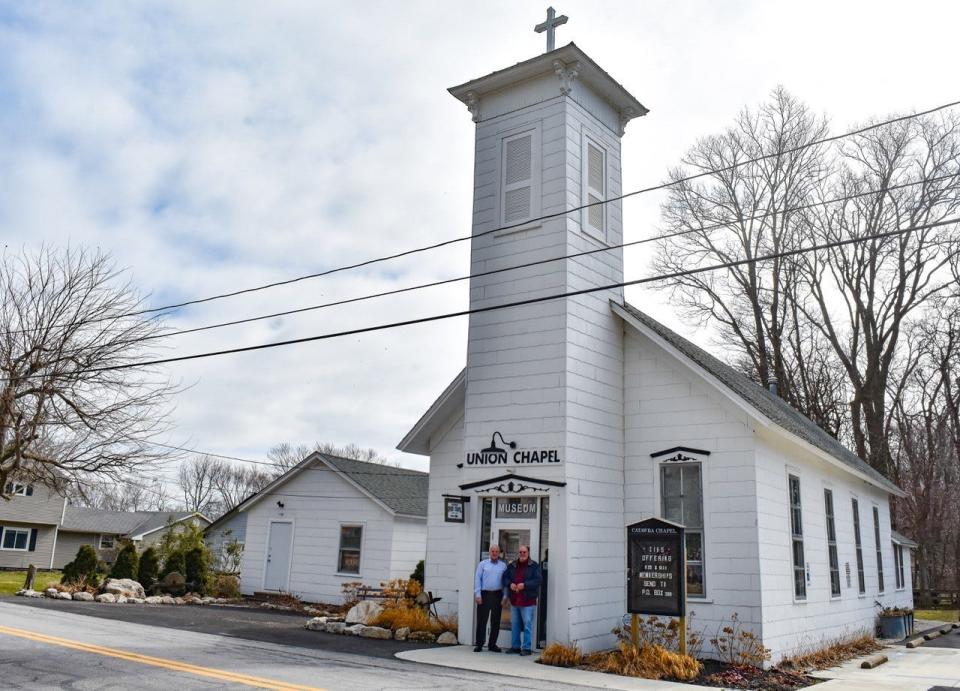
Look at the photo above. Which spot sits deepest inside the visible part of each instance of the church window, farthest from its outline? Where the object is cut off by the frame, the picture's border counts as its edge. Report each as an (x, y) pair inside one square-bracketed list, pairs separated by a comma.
[(520, 158), (861, 581), (594, 219), (876, 538), (681, 492), (832, 544), (796, 531)]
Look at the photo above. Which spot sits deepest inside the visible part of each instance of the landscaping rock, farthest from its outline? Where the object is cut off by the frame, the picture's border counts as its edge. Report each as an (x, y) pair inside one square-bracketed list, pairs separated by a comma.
[(364, 612), (51, 592), (106, 597), (375, 632), (167, 600), (402, 633), (422, 637), (153, 600), (192, 600), (82, 596), (135, 600), (208, 600), (317, 624), (179, 601), (335, 627), (64, 596), (447, 638), (29, 592), (354, 630), (121, 599), (123, 586)]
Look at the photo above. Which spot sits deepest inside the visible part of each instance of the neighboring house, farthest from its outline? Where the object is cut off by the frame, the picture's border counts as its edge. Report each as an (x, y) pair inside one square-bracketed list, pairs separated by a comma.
[(231, 527), (39, 527), (577, 415), (330, 521), (105, 530)]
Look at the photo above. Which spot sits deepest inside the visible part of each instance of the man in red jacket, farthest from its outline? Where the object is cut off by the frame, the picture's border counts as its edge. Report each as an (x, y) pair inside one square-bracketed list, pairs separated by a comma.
[(522, 581)]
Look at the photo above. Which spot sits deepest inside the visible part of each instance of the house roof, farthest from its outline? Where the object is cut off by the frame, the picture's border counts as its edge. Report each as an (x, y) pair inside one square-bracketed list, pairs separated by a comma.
[(80, 519), (760, 399), (903, 540), (398, 490), (417, 439)]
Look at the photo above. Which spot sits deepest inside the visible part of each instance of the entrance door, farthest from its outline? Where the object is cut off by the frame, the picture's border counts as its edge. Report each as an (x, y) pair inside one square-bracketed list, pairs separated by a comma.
[(278, 557)]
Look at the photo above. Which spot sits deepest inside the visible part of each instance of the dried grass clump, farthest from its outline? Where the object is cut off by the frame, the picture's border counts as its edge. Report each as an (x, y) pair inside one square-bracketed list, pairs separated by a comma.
[(395, 617), (832, 653), (562, 655), (651, 662)]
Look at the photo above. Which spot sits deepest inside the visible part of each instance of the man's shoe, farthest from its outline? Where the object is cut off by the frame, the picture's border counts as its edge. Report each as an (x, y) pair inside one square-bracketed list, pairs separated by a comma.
[(478, 649), (513, 651), (524, 652), (494, 649)]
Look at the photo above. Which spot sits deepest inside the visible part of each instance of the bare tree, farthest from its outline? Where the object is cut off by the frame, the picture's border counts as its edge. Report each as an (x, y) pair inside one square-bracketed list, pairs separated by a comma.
[(234, 484), (285, 456), (74, 401), (198, 479)]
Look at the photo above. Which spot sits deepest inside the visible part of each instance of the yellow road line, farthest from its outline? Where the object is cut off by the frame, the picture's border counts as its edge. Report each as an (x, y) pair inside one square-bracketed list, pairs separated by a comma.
[(219, 674)]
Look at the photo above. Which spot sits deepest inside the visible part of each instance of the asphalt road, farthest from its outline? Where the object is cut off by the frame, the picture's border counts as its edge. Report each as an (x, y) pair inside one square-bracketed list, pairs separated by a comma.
[(950, 640), (43, 647)]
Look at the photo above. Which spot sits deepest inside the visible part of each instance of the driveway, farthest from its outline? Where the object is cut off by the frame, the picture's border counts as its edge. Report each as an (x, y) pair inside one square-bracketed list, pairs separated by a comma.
[(249, 623)]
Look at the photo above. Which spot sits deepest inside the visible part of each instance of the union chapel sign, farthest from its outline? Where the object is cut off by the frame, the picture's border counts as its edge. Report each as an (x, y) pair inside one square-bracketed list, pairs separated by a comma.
[(509, 455)]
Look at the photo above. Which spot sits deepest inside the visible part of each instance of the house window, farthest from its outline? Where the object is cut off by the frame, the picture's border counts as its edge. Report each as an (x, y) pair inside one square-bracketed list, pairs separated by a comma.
[(18, 489), (681, 492), (832, 544), (796, 531), (861, 581), (594, 188), (876, 537), (351, 537), (898, 566), (16, 538), (106, 542), (520, 174)]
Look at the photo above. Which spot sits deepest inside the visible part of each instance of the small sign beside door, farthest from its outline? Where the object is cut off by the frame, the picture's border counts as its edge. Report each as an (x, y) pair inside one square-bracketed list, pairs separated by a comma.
[(453, 509), (516, 507)]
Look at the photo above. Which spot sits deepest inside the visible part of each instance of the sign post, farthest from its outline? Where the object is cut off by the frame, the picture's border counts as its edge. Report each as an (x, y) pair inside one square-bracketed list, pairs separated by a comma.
[(656, 573)]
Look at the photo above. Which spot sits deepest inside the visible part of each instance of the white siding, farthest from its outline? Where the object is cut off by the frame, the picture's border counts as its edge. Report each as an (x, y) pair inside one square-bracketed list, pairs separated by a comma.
[(790, 626), (318, 501), (409, 546), (217, 539)]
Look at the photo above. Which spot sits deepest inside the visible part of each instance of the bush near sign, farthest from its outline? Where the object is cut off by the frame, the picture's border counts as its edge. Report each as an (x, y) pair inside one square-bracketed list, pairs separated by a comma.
[(655, 568)]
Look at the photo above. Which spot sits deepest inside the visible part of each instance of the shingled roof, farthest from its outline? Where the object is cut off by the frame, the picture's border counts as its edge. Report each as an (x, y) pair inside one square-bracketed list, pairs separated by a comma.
[(404, 491), (80, 519), (766, 403)]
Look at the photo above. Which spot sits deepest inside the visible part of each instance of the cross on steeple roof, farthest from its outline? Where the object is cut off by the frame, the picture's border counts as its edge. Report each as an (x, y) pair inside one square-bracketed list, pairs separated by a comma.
[(550, 26)]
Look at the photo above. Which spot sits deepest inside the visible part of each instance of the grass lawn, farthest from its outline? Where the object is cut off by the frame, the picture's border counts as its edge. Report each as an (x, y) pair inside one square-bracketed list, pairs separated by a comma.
[(938, 614), (12, 581)]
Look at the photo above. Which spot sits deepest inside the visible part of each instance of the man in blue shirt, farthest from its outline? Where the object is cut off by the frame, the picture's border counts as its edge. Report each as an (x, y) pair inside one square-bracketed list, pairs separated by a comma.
[(489, 593)]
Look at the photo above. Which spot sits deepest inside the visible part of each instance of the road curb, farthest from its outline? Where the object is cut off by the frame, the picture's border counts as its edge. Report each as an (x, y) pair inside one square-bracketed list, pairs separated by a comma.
[(874, 661), (930, 636), (915, 643)]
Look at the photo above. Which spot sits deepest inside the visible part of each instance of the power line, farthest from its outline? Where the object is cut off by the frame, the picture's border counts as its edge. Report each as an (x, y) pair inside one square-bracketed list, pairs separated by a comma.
[(446, 281), (544, 217)]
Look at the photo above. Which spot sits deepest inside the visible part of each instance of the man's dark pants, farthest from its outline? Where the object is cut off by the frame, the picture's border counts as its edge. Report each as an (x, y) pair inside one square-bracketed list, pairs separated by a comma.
[(490, 607)]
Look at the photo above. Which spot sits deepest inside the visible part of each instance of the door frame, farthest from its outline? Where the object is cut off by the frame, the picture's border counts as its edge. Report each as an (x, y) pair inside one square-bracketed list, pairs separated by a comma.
[(266, 552)]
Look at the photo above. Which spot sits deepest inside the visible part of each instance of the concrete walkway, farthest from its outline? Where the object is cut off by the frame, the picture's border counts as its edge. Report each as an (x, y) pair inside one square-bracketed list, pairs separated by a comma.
[(463, 657), (919, 669)]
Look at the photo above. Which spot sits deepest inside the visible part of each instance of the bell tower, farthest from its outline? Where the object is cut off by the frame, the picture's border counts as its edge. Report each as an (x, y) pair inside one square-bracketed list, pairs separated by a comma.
[(550, 375)]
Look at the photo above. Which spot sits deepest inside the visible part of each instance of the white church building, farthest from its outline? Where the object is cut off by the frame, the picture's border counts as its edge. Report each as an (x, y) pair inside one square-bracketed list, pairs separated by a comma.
[(576, 417)]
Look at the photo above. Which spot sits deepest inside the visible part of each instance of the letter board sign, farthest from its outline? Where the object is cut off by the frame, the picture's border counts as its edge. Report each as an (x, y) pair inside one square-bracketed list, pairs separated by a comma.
[(655, 568)]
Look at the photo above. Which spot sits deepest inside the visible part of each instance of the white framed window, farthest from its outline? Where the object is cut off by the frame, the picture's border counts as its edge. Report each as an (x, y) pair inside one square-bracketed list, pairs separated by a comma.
[(898, 566), (681, 501), (106, 542), (351, 547), (520, 177), (861, 580), (876, 538), (834, 561), (595, 182), (796, 532), (19, 489), (15, 539)]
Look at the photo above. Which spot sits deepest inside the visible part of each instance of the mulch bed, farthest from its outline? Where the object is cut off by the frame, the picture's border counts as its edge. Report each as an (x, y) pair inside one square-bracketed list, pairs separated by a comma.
[(742, 677)]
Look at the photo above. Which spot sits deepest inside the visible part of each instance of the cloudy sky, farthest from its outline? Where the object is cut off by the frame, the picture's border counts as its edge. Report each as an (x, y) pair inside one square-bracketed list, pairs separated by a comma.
[(210, 146)]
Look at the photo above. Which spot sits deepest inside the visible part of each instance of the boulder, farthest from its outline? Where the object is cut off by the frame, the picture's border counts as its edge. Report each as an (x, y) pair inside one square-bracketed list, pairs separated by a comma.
[(106, 597), (29, 592), (82, 596), (136, 600), (317, 624), (447, 638), (51, 592), (402, 633), (355, 629), (375, 632), (179, 601), (123, 586), (335, 627), (192, 600), (208, 600), (364, 612), (167, 600), (422, 637), (121, 599), (153, 600), (64, 596)]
